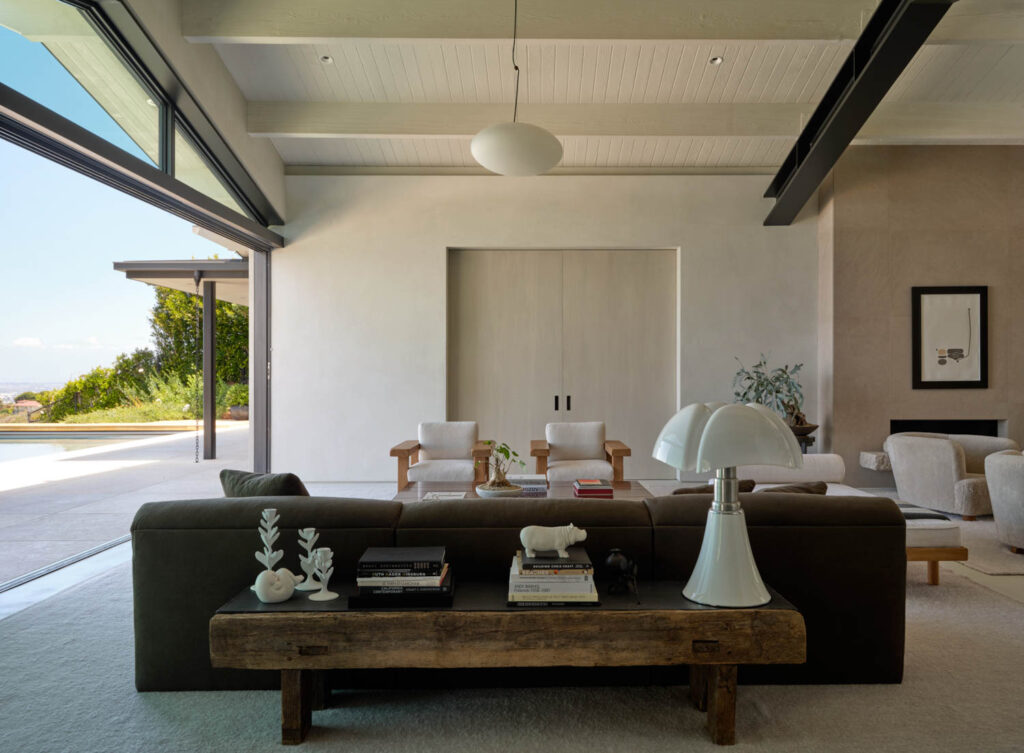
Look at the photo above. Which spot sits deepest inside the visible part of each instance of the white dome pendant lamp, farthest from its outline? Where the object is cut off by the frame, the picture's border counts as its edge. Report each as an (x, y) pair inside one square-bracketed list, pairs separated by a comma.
[(516, 148)]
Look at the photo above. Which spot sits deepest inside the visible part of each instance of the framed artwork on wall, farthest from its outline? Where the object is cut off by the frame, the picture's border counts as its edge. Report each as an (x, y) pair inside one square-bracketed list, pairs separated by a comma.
[(950, 337)]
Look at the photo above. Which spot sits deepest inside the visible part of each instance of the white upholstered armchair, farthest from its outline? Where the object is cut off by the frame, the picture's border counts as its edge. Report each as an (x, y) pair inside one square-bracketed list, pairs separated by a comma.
[(1005, 474), (578, 450), (444, 451), (945, 473)]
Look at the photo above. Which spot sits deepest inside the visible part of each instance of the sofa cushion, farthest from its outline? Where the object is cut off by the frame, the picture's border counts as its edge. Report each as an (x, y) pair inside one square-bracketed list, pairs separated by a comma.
[(482, 535), (811, 487), (570, 470), (583, 440), (745, 485), (442, 470), (820, 467), (246, 484), (447, 440)]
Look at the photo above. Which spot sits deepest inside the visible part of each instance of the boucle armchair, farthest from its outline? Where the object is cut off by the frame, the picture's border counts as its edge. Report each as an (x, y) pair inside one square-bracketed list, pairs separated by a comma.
[(1005, 474), (932, 472), (444, 451), (578, 450)]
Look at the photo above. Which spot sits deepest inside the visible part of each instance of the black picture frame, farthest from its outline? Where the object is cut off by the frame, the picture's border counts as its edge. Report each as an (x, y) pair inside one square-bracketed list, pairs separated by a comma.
[(919, 380)]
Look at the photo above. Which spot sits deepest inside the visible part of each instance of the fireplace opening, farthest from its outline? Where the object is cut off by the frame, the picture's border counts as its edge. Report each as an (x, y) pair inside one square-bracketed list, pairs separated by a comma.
[(988, 427)]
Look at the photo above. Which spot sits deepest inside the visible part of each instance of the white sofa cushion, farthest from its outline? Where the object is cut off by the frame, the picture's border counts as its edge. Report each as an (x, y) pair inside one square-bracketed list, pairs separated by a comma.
[(583, 440), (447, 440), (570, 470), (1005, 473), (442, 470), (823, 467)]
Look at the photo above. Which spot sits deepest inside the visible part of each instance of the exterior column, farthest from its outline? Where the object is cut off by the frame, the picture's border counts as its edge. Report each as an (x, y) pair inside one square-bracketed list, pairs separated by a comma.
[(209, 370)]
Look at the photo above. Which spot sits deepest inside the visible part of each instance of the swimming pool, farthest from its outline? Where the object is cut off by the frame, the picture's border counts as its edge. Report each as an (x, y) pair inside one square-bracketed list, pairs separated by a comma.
[(24, 445)]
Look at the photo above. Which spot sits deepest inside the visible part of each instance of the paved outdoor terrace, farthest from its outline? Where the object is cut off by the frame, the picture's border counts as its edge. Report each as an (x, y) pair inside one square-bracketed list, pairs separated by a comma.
[(56, 506)]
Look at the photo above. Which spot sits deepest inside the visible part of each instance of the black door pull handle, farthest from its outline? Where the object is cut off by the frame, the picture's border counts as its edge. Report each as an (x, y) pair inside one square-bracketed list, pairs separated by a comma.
[(556, 402), (568, 402)]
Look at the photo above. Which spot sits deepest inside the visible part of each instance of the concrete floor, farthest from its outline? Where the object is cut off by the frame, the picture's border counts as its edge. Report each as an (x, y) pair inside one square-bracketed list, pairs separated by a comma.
[(56, 506)]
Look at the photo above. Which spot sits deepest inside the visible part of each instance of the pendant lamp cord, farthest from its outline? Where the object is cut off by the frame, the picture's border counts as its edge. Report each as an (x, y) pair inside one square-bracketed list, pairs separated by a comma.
[(515, 29)]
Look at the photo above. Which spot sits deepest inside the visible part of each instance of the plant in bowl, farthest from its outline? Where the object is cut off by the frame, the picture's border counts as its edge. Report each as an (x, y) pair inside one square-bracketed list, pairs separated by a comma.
[(778, 389), (499, 463)]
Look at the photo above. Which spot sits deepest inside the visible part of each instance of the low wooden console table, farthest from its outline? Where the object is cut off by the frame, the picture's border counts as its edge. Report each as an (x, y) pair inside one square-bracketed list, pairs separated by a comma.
[(480, 630), (557, 490)]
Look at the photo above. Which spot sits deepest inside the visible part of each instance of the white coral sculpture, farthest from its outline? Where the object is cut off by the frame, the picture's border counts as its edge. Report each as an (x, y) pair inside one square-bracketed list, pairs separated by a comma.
[(323, 558), (307, 540), (268, 534)]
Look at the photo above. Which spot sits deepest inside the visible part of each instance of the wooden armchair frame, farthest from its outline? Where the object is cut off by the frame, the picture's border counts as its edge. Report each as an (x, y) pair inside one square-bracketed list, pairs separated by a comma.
[(408, 453), (615, 452)]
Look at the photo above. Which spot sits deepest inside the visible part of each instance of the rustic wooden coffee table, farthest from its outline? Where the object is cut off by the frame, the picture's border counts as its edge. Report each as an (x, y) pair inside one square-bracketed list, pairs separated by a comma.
[(300, 636), (416, 491)]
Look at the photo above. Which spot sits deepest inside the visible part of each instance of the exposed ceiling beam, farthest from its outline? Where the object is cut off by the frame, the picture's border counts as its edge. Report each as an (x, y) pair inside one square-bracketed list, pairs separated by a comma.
[(313, 21), (891, 123), (327, 119), (890, 40)]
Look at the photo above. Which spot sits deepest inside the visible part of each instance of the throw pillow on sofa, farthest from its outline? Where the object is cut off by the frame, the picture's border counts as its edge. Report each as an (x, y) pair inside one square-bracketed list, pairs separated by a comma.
[(245, 484), (809, 487), (746, 485)]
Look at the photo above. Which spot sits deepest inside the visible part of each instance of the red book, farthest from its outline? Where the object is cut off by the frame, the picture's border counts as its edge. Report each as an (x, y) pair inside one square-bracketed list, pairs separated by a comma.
[(598, 493)]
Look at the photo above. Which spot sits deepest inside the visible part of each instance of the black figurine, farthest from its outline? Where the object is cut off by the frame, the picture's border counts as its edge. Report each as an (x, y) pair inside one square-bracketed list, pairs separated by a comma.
[(621, 571)]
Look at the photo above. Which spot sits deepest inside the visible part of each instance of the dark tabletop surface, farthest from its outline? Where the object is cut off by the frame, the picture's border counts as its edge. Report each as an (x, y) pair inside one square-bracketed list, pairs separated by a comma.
[(490, 597)]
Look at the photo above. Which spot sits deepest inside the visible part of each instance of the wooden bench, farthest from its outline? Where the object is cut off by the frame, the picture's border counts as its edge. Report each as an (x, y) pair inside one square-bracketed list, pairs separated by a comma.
[(300, 637)]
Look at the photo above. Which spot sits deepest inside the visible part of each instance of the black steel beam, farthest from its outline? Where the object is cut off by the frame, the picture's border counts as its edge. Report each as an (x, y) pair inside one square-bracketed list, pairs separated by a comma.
[(209, 370), (26, 123), (891, 38), (259, 360)]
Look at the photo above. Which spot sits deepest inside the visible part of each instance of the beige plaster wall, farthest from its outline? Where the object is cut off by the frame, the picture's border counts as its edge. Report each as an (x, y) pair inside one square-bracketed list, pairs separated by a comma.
[(910, 216), (359, 292)]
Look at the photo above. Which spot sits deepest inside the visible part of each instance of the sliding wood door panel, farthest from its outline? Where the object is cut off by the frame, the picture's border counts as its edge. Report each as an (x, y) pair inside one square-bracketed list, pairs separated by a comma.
[(505, 342), (619, 345)]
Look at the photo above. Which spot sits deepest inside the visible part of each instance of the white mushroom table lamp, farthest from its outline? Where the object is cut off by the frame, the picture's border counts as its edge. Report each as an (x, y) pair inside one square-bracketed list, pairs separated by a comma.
[(716, 436)]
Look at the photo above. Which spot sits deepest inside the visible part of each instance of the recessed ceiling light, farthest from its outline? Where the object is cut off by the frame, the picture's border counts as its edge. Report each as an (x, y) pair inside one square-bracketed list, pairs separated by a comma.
[(326, 59), (716, 60)]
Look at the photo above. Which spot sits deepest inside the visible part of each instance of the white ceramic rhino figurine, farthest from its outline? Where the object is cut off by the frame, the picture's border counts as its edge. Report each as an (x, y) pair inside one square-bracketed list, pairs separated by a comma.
[(550, 538)]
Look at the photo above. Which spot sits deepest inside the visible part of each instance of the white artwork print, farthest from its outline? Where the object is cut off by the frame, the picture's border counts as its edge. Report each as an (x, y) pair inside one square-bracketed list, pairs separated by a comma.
[(951, 337)]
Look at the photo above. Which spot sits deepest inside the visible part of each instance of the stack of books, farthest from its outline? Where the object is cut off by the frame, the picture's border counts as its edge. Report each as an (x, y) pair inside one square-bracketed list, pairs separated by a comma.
[(552, 582), (593, 487), (411, 576), (534, 484)]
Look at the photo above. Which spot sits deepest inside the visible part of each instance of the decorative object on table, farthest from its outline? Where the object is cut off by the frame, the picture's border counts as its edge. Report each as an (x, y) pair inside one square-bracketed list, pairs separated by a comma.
[(323, 561), (550, 539), (593, 487), (500, 461), (715, 436), (516, 148), (622, 573), (307, 540), (777, 389), (415, 576), (442, 496), (949, 337), (272, 587), (547, 582)]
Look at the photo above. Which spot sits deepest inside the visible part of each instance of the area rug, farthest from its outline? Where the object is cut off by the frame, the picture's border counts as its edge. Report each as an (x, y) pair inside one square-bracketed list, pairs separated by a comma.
[(985, 553), (66, 666)]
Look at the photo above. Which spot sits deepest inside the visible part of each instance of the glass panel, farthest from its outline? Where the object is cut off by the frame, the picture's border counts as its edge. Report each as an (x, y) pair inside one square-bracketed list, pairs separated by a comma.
[(191, 169), (50, 52)]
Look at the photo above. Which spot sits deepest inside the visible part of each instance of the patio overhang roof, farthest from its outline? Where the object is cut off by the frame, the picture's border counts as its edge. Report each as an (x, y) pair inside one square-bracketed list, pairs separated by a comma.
[(231, 275)]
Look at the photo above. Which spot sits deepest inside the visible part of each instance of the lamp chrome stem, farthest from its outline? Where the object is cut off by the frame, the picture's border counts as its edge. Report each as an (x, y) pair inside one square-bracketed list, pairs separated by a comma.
[(727, 491)]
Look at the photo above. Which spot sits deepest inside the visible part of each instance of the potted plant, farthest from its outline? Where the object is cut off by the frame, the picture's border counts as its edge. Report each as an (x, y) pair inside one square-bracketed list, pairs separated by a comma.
[(238, 401), (778, 389), (499, 463)]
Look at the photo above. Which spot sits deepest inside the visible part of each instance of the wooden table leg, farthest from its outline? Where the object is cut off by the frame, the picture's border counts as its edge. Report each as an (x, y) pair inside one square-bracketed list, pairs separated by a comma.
[(296, 705), (933, 572), (722, 703), (321, 695), (699, 686)]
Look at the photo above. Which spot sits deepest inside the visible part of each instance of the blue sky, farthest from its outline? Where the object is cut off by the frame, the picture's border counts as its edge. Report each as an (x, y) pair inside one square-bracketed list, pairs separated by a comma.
[(63, 308)]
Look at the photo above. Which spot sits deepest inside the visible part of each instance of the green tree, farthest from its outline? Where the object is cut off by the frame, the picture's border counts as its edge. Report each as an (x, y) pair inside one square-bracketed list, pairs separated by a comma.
[(28, 396), (132, 372), (179, 341)]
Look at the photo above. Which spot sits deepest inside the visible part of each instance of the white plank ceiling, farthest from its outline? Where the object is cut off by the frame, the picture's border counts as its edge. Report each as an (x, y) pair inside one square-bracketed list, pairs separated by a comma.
[(590, 72)]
